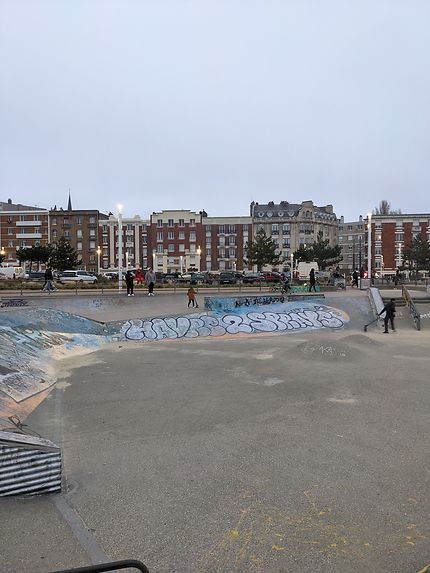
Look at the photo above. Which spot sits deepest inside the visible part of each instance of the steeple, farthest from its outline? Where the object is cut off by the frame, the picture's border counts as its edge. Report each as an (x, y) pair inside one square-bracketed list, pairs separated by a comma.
[(69, 204)]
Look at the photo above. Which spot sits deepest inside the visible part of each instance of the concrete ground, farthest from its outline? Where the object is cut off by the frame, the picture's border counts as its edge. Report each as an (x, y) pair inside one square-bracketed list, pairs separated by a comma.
[(266, 453)]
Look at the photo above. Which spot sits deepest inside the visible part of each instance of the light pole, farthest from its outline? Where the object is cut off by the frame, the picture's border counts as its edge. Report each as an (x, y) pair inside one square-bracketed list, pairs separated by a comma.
[(153, 261), (291, 266), (369, 247), (359, 257), (400, 255), (99, 252), (199, 252), (181, 261), (119, 248)]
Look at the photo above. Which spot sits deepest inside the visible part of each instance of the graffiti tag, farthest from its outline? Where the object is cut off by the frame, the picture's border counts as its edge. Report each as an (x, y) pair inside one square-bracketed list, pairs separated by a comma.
[(13, 302)]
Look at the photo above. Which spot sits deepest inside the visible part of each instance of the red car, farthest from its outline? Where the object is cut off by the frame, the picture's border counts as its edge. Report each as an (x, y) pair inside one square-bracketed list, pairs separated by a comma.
[(272, 277)]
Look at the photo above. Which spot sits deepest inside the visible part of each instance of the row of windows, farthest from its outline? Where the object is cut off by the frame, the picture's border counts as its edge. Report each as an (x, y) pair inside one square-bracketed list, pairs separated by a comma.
[(171, 235), (66, 220), (171, 223)]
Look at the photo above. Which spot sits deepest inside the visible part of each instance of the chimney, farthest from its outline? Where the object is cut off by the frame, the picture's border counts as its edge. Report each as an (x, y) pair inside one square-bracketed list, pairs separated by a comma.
[(9, 201)]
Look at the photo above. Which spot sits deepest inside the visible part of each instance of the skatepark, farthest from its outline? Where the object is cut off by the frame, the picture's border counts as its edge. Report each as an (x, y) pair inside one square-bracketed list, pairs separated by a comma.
[(254, 434)]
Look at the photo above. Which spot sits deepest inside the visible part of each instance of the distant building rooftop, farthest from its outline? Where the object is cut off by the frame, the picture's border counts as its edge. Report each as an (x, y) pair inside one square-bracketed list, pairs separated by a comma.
[(9, 206)]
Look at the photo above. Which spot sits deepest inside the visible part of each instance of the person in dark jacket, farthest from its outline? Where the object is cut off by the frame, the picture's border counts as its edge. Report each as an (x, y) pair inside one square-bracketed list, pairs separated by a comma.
[(129, 278), (355, 279), (49, 278), (312, 280), (390, 313)]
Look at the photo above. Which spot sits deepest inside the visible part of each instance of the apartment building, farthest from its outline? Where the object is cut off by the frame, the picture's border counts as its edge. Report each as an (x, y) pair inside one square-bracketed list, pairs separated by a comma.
[(21, 226), (391, 235), (352, 239), (225, 239), (291, 225), (81, 229), (134, 242)]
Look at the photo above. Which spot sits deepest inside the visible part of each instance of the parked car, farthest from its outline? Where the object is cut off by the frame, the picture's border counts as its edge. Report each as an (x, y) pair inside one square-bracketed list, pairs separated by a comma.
[(110, 275), (204, 278), (272, 277), (35, 276), (11, 272), (77, 276), (227, 278), (251, 278)]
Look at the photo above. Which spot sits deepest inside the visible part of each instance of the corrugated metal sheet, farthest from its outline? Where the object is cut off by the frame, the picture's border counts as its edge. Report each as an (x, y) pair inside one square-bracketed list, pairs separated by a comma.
[(28, 469)]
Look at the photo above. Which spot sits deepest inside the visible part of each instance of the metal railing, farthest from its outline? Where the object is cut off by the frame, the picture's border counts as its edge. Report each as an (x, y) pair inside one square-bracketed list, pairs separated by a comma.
[(113, 566), (413, 311)]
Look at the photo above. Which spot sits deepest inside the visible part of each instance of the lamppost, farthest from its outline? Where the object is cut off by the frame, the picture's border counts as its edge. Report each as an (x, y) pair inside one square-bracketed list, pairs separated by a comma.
[(359, 258), (119, 248), (181, 262), (153, 260), (2, 251), (400, 255), (198, 252), (291, 267), (369, 247), (99, 252)]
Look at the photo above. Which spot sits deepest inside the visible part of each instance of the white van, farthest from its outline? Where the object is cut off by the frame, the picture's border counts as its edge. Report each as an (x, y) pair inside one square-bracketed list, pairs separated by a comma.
[(303, 270), (11, 273)]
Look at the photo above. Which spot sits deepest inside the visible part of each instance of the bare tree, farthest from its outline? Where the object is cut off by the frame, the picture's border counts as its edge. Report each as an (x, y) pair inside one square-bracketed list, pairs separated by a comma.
[(385, 209)]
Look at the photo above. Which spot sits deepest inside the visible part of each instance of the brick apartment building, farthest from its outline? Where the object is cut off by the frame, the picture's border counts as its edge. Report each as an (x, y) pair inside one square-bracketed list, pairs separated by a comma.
[(352, 239), (134, 242), (224, 243), (391, 234), (21, 226)]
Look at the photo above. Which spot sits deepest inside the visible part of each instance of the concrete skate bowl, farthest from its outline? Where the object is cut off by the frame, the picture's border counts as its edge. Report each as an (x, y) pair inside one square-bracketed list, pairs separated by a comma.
[(33, 339)]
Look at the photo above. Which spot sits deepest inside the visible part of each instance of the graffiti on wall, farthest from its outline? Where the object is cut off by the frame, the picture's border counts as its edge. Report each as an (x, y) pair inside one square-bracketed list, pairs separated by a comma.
[(13, 302), (193, 326)]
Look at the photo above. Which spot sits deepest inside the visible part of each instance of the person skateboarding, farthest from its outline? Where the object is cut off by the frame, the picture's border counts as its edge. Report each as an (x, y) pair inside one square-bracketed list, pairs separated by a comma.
[(390, 313)]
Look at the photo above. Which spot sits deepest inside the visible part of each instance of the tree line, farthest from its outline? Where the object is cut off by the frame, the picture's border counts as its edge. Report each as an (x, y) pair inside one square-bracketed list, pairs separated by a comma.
[(60, 256)]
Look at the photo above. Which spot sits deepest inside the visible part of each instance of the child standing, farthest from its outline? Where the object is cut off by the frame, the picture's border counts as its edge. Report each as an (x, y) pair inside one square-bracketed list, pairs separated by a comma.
[(192, 297)]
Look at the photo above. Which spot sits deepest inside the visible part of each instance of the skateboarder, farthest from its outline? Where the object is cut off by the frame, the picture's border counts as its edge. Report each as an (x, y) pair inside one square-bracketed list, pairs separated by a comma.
[(390, 313)]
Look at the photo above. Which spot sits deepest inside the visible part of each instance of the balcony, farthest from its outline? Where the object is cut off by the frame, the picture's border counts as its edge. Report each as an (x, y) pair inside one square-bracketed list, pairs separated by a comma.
[(28, 223), (29, 236)]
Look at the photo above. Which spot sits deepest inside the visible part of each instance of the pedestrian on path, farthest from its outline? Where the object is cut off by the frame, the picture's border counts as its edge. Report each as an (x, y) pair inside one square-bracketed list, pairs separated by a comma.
[(49, 278), (192, 297), (312, 280), (390, 313), (355, 279), (150, 279), (129, 279), (139, 277)]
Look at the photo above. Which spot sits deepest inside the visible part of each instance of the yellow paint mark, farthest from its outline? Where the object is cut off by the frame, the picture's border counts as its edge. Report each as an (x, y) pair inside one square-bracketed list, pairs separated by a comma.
[(412, 500), (367, 545), (411, 526), (344, 540), (278, 548), (333, 545), (410, 543), (409, 537), (234, 533), (424, 569), (321, 513)]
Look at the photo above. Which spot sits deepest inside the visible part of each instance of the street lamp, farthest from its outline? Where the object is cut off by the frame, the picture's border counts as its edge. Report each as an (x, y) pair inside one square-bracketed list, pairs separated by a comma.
[(181, 261), (2, 251), (153, 260), (119, 248), (99, 252), (199, 252), (369, 247)]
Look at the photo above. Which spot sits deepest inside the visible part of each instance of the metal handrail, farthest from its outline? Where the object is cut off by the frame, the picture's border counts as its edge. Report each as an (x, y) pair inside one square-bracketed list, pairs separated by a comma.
[(113, 566), (413, 311)]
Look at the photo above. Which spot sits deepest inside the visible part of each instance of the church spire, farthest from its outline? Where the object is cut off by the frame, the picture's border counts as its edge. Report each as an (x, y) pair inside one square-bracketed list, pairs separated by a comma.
[(69, 204)]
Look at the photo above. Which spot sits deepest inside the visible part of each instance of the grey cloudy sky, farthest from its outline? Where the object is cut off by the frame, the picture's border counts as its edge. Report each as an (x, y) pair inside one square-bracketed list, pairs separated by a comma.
[(209, 104)]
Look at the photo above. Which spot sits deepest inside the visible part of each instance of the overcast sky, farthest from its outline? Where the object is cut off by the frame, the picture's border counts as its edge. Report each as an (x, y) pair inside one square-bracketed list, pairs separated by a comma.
[(201, 104)]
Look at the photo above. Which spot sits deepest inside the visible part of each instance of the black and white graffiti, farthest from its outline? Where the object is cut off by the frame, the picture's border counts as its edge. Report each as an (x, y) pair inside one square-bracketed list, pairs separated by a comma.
[(193, 326)]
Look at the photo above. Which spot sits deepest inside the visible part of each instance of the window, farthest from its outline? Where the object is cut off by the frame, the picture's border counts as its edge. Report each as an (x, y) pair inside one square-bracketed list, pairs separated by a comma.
[(221, 241), (79, 220), (10, 243), (221, 253), (302, 228), (92, 232), (349, 227), (10, 231), (181, 235), (105, 241), (22, 217), (92, 220), (54, 221), (181, 223), (221, 229), (79, 233), (160, 236), (208, 252), (171, 248), (170, 223), (104, 228), (171, 235), (208, 228), (232, 252), (65, 220), (92, 244), (159, 248), (232, 228), (232, 240), (349, 237), (160, 223), (192, 248), (181, 248), (54, 233), (398, 236), (208, 243), (275, 229), (67, 234), (192, 222), (192, 235), (79, 246), (21, 244)]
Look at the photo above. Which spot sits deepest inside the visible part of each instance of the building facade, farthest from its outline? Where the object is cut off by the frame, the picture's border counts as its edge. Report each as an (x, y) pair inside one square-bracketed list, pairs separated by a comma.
[(134, 242), (225, 239), (352, 239), (21, 226), (291, 225), (391, 235)]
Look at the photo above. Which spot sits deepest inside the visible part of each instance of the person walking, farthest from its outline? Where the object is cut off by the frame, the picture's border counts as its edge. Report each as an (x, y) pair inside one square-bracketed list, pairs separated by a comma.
[(390, 313), (354, 279), (139, 277), (192, 297), (129, 279), (287, 286), (312, 280), (150, 279), (49, 278)]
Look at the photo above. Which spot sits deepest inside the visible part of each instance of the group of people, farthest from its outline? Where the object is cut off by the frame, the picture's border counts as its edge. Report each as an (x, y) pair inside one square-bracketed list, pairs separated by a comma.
[(150, 278)]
